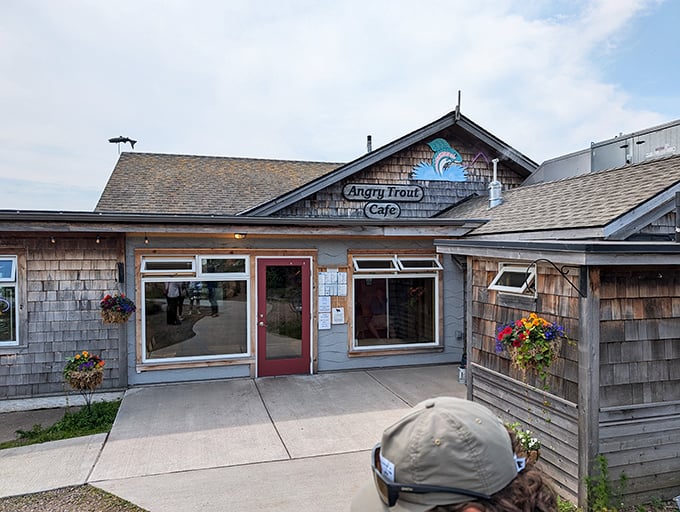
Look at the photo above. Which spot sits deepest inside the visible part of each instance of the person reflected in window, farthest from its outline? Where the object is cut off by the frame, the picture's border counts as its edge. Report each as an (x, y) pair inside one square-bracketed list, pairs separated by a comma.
[(378, 311), (195, 297), (172, 296), (212, 298)]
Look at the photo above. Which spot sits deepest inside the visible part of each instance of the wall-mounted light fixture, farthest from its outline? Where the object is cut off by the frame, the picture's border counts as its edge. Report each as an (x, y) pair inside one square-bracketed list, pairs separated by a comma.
[(146, 239), (52, 240), (98, 240), (239, 236)]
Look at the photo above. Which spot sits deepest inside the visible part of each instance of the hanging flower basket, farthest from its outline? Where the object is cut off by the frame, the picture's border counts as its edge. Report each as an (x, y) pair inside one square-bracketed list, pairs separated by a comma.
[(114, 317), (86, 380), (532, 343), (116, 309)]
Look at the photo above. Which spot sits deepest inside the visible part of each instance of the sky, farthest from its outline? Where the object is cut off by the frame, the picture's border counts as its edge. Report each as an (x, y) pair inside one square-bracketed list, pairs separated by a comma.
[(309, 80)]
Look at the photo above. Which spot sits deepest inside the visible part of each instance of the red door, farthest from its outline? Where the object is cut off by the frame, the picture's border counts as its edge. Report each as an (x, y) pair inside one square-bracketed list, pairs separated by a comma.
[(283, 316)]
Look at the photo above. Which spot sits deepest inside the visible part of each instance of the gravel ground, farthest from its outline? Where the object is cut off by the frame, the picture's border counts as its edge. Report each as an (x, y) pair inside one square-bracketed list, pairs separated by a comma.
[(82, 498)]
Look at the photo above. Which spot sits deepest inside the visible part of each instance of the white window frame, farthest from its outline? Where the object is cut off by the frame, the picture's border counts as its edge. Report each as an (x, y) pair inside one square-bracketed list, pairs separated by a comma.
[(401, 260), (12, 281), (168, 259), (503, 268), (13, 269), (358, 261), (203, 257), (400, 272), (155, 276)]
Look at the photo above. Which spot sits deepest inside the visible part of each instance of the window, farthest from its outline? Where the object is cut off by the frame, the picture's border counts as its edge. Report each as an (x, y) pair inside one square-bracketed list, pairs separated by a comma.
[(200, 314), (168, 266), (513, 279), (9, 312), (222, 265), (399, 310)]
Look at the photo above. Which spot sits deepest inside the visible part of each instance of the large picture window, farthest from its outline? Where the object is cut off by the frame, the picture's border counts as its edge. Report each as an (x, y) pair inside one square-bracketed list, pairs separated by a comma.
[(398, 310), (9, 312), (202, 314)]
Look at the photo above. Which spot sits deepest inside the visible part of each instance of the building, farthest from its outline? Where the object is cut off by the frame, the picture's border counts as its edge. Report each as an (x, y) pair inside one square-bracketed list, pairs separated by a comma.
[(284, 267), (598, 254)]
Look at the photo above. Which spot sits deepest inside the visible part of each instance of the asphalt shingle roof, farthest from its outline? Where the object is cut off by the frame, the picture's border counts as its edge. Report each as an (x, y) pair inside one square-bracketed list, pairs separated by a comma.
[(182, 184), (585, 201)]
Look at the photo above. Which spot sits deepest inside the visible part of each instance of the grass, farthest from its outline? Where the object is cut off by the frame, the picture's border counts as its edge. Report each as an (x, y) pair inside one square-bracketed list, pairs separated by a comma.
[(97, 419)]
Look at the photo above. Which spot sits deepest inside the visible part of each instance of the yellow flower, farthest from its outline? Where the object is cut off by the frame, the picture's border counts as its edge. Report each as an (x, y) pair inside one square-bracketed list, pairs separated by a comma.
[(77, 356), (84, 353)]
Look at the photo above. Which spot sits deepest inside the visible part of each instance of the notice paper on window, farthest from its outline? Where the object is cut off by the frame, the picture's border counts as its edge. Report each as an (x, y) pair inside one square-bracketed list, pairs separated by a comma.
[(338, 315)]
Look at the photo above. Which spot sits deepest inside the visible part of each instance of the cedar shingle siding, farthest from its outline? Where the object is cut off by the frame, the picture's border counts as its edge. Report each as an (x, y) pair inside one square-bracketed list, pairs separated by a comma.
[(65, 282)]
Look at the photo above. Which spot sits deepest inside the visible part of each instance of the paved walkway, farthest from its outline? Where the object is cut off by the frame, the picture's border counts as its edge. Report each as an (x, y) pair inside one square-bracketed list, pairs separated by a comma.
[(295, 443)]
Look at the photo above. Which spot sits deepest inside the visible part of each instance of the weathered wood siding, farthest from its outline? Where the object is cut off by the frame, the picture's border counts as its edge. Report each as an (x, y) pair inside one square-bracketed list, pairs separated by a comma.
[(64, 283), (640, 379), (397, 169), (551, 414), (552, 420), (557, 302)]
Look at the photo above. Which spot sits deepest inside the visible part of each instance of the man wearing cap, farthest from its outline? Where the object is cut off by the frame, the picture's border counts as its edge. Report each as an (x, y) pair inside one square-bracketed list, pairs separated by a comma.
[(451, 455)]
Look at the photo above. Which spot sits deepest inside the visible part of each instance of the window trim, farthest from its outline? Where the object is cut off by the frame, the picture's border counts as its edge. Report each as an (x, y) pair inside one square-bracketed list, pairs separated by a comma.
[(202, 257), (357, 260), (146, 361), (168, 272), (398, 273), (504, 268), (18, 255), (13, 270), (434, 259)]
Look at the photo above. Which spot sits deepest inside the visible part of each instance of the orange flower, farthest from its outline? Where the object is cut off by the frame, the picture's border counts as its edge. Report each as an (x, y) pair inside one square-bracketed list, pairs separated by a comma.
[(77, 356)]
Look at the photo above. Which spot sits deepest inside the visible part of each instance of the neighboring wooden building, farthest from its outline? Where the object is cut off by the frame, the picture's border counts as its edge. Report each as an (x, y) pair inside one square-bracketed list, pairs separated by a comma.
[(283, 265), (607, 268)]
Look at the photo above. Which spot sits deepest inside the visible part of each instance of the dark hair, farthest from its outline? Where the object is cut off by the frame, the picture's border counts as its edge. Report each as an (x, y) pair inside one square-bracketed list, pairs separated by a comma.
[(528, 492)]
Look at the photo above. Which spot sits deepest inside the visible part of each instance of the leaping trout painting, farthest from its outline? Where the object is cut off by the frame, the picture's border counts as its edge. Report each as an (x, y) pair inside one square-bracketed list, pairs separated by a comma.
[(446, 164)]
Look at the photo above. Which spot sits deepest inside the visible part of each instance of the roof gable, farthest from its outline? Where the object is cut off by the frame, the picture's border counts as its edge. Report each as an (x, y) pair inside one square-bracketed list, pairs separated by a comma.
[(183, 184), (516, 161), (616, 203)]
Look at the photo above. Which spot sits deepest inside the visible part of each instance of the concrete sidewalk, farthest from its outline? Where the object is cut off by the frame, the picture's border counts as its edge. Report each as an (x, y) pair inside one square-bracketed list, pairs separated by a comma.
[(292, 443)]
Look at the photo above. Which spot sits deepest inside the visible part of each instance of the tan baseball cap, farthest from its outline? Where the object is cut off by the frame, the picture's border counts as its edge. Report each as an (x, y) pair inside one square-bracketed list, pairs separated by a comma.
[(444, 442)]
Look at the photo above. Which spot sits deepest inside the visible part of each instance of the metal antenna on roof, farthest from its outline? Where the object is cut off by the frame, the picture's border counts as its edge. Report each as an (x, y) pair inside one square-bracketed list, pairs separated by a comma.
[(457, 115), (118, 140)]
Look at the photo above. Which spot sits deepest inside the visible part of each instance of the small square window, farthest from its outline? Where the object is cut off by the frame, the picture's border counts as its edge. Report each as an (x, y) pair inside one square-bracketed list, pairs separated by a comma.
[(376, 264), (419, 263), (7, 268), (513, 279), (222, 265), (168, 266)]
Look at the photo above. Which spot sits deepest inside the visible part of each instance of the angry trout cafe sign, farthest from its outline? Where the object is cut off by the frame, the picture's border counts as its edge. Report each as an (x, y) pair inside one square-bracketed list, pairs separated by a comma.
[(369, 192), (381, 198)]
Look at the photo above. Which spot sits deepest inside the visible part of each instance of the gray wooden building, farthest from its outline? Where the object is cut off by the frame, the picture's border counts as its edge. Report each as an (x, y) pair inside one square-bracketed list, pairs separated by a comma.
[(599, 253), (248, 267)]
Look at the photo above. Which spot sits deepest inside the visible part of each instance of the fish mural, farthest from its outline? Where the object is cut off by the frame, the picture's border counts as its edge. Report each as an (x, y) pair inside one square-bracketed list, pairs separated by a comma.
[(446, 164)]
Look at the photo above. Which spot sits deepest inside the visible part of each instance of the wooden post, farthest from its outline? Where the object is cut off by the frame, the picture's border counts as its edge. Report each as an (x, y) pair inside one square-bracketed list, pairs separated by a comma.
[(588, 380), (468, 327)]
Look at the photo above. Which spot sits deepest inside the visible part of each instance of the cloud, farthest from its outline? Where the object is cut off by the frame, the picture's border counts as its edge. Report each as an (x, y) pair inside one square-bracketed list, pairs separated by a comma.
[(299, 80)]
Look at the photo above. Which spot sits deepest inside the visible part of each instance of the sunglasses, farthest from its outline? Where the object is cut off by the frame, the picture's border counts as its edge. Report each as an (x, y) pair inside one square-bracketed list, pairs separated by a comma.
[(389, 491)]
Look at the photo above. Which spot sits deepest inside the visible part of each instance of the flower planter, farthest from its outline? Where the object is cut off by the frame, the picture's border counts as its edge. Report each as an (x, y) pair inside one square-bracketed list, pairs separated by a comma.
[(531, 456), (87, 380), (114, 317)]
